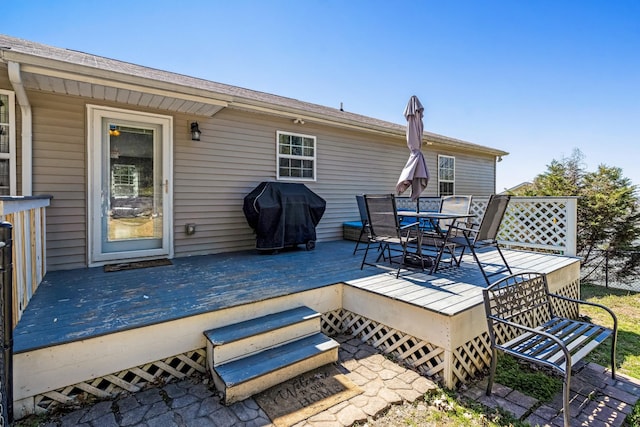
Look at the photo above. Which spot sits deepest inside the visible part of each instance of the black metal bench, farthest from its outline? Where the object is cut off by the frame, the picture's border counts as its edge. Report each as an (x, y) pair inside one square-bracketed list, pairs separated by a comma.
[(524, 321)]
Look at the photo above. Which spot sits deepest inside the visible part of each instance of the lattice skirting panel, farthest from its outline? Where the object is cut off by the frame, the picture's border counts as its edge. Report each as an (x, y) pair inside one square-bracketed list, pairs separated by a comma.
[(129, 380), (423, 356), (470, 359), (467, 361), (332, 322), (419, 354), (566, 308)]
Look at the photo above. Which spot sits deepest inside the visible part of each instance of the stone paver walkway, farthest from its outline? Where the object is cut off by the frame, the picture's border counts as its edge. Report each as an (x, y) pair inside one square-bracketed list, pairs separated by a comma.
[(190, 403), (596, 399)]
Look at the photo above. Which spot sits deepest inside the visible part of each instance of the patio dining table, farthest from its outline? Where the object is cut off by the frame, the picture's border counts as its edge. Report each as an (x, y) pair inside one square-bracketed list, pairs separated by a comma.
[(437, 233)]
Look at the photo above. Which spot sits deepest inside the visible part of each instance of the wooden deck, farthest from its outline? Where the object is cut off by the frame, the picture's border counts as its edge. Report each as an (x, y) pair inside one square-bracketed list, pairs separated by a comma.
[(72, 305), (87, 327)]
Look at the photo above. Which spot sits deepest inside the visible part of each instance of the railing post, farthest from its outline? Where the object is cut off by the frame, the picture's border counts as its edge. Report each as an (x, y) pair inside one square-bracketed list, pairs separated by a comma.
[(6, 303), (28, 218), (572, 226)]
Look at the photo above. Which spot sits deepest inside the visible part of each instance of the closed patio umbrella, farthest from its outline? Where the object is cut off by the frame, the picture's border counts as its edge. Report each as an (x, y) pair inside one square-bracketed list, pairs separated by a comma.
[(415, 173)]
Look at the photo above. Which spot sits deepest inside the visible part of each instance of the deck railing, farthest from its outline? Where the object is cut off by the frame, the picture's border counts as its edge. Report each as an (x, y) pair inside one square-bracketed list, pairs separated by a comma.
[(547, 224), (27, 216), (536, 223)]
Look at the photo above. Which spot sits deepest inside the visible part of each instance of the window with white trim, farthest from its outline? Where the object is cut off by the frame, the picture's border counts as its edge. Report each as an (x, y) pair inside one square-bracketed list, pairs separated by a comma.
[(7, 143), (296, 156), (446, 175)]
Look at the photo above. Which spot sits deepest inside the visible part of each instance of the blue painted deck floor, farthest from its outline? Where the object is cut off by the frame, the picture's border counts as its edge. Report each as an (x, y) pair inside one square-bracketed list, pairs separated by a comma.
[(72, 305)]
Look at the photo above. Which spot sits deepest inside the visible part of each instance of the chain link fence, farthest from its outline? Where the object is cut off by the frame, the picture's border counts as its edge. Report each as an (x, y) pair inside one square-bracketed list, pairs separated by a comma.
[(617, 269)]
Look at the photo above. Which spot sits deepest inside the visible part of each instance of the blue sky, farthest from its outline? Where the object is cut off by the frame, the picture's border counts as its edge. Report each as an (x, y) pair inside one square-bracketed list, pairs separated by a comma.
[(535, 78)]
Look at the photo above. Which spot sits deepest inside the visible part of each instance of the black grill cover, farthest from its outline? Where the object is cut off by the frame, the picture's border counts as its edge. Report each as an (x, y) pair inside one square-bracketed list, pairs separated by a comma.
[(283, 214)]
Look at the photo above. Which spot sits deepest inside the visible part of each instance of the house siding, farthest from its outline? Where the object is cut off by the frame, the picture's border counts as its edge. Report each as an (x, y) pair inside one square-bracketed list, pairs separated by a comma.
[(474, 174), (237, 152), (212, 176), (60, 169)]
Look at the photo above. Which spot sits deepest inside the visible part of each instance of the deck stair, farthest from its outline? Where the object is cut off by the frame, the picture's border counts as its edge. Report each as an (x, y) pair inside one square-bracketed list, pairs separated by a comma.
[(248, 357)]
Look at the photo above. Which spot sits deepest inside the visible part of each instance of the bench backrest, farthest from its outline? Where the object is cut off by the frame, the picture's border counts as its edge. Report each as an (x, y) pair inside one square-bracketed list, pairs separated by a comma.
[(520, 298)]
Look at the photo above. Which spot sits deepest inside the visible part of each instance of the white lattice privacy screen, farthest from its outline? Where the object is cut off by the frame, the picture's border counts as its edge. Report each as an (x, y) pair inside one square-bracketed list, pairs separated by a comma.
[(540, 223), (546, 224)]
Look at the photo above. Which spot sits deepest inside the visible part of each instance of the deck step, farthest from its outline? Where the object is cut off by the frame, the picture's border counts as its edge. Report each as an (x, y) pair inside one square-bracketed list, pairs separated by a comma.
[(242, 339), (248, 357), (242, 378)]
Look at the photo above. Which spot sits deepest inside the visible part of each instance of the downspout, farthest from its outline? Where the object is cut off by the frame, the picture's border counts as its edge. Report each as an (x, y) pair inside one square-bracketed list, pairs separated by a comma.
[(27, 123)]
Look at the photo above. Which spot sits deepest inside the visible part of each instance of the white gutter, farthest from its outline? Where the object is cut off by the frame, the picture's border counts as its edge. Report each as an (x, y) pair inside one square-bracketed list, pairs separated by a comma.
[(27, 138)]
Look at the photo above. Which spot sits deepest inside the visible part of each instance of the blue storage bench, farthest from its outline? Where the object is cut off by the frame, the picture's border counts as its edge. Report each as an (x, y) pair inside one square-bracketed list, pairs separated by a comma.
[(351, 231)]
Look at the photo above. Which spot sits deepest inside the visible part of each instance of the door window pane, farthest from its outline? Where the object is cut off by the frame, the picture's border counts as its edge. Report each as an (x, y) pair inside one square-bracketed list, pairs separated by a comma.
[(132, 208)]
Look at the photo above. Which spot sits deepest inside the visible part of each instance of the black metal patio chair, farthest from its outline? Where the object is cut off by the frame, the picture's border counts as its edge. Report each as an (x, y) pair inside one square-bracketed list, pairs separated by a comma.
[(484, 234), (453, 204), (364, 220), (385, 230)]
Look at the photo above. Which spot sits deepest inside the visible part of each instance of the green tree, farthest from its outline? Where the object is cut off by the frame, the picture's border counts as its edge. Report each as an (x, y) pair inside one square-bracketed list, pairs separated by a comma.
[(563, 178), (608, 215)]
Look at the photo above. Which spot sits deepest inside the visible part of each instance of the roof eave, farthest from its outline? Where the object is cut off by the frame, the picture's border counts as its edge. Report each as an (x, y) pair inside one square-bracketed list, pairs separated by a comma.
[(84, 73), (55, 68)]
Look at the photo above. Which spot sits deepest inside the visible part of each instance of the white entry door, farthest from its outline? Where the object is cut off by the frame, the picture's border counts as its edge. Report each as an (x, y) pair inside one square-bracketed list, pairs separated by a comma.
[(129, 187)]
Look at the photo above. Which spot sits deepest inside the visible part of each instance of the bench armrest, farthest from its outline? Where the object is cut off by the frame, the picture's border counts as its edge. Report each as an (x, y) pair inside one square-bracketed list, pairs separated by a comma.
[(592, 304)]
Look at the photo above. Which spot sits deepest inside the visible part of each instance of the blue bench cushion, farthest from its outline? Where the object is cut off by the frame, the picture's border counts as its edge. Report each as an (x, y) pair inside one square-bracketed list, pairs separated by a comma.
[(354, 224)]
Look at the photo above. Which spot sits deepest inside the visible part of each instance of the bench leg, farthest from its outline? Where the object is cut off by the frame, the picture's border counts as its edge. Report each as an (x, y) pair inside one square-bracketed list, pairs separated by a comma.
[(492, 370), (566, 389), (614, 341)]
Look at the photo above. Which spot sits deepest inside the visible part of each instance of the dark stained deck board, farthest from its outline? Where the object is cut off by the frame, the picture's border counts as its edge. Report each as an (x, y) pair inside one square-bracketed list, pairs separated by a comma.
[(76, 304), (79, 304)]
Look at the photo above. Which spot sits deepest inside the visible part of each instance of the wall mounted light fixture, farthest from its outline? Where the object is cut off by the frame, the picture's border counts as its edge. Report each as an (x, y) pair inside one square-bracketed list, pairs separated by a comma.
[(195, 131), (298, 121), (190, 229)]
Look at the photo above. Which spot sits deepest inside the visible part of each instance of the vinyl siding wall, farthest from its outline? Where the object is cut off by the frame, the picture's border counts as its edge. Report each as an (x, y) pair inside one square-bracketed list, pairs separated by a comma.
[(60, 169), (237, 152), (475, 175), (212, 176)]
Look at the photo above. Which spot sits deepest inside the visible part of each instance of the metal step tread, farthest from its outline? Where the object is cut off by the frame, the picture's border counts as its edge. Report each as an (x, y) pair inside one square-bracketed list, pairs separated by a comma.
[(267, 361), (260, 325)]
